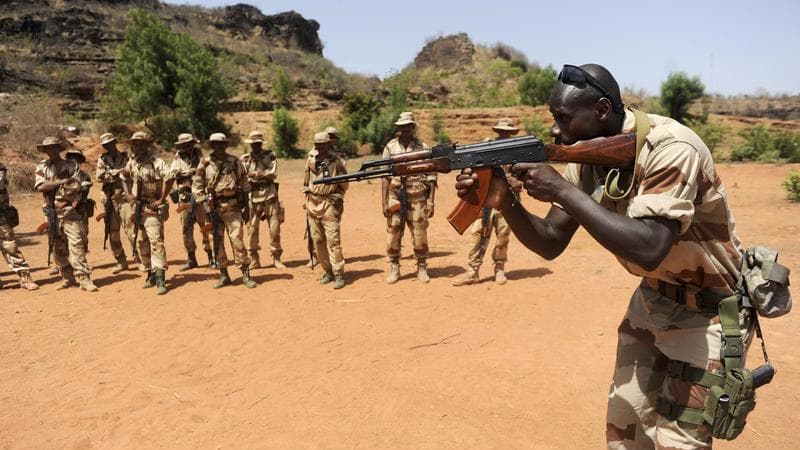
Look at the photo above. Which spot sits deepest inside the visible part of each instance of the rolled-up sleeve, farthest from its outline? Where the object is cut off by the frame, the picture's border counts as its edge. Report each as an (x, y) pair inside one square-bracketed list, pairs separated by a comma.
[(669, 185)]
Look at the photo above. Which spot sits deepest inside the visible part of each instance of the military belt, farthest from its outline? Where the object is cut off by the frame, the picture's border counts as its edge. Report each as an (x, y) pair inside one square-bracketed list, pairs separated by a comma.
[(693, 299)]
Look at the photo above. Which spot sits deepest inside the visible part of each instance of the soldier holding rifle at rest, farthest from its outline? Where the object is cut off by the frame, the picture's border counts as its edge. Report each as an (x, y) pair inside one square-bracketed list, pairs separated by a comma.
[(117, 212)]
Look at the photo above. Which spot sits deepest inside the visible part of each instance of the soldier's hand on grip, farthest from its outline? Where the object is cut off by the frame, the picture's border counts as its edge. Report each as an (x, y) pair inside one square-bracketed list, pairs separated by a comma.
[(467, 182)]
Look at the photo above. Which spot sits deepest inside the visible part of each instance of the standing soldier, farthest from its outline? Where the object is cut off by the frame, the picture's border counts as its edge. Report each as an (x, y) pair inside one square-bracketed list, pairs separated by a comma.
[(117, 211), (407, 201), (324, 206), (58, 180), (183, 170), (85, 205), (262, 170), (221, 183), (481, 229), (150, 181), (9, 218)]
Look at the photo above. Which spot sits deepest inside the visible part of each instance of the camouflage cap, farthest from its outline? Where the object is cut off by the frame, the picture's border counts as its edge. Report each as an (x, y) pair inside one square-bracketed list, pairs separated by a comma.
[(505, 124), (49, 142), (140, 136), (254, 137), (322, 138), (185, 138), (76, 152), (107, 138), (406, 117), (218, 137)]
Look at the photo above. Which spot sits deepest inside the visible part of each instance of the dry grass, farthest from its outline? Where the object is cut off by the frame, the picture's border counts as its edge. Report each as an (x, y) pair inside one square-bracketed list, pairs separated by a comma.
[(28, 119)]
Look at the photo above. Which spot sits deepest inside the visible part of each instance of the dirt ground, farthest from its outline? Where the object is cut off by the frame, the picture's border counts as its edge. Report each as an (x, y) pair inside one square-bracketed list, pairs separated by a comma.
[(293, 364)]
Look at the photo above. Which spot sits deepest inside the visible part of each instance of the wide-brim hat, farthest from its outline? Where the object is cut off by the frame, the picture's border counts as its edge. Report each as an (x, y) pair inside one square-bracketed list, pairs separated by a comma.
[(218, 137), (406, 118), (107, 138), (76, 152), (505, 124), (255, 137), (50, 142), (140, 136), (322, 138), (185, 138), (332, 132)]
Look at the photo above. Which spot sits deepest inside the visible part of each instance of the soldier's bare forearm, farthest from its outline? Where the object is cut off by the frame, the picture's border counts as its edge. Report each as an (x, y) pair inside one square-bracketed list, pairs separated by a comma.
[(548, 236)]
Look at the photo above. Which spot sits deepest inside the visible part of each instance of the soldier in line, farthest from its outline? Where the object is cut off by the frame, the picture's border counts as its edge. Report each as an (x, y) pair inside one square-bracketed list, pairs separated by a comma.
[(325, 206), (481, 229), (85, 205), (150, 181), (109, 172), (221, 183), (407, 201), (9, 218), (262, 170), (182, 170), (58, 180)]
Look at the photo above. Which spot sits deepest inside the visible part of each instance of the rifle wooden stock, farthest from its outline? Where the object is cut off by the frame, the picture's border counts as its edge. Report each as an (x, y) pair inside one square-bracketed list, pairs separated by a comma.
[(42, 228), (182, 208), (100, 217)]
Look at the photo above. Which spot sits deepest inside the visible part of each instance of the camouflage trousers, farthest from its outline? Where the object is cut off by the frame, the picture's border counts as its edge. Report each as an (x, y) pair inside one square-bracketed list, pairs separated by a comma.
[(233, 224), (69, 247), (655, 330), (417, 222), (271, 210), (326, 235), (121, 220), (11, 252), (152, 252), (500, 253), (188, 233)]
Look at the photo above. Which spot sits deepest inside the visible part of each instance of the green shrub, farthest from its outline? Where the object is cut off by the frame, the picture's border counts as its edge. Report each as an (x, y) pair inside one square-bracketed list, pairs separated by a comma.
[(533, 125), (439, 132), (712, 134), (284, 88), (359, 109), (792, 186), (166, 126), (765, 145), (678, 92), (380, 131), (534, 87), (285, 134)]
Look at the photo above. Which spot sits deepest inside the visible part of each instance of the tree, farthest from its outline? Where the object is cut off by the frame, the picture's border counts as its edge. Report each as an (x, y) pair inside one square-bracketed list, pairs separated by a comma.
[(165, 79), (284, 88), (678, 92), (285, 134), (534, 87)]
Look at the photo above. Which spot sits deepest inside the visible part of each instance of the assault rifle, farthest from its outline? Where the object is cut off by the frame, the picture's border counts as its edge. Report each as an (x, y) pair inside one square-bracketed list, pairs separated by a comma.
[(614, 152), (108, 212), (137, 213)]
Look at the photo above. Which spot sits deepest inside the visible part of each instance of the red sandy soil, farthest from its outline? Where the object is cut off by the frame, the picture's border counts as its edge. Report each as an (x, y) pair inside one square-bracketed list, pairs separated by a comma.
[(293, 364)]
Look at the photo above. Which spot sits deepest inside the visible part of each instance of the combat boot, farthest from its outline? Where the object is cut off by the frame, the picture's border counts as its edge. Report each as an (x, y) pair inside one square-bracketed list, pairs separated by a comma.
[(338, 281), (394, 273), (122, 264), (311, 262), (276, 261), (246, 278), (191, 262), (255, 261), (26, 282), (326, 278), (499, 274), (161, 281), (150, 281), (422, 272), (212, 263), (469, 277), (86, 283), (53, 271), (224, 279), (68, 280)]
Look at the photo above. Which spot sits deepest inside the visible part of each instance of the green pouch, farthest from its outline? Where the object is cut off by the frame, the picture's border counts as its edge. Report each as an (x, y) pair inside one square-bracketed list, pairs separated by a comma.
[(727, 406)]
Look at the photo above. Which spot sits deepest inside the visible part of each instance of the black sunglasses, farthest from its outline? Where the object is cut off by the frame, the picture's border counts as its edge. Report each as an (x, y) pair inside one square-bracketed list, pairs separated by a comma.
[(576, 76)]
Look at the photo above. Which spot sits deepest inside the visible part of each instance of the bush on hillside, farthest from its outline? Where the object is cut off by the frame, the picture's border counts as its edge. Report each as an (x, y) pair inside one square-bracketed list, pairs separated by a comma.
[(534, 87), (678, 92), (792, 186), (285, 134)]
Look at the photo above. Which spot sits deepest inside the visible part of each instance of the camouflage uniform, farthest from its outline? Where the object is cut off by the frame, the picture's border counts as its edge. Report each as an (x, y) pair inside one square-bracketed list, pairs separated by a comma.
[(108, 173), (224, 180), (85, 206), (264, 202), (147, 175), (8, 242), (418, 191), (183, 170), (674, 178), (69, 243), (325, 206)]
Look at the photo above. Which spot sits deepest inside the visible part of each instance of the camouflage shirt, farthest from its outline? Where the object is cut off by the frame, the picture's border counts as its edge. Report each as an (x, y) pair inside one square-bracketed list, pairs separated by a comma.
[(675, 178), (147, 175), (225, 177), (417, 186), (263, 186), (112, 182), (183, 169), (68, 194), (320, 197)]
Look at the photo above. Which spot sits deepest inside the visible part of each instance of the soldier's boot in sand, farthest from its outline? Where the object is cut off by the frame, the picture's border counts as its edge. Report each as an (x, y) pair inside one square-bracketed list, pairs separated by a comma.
[(394, 273), (467, 278), (212, 263), (122, 264), (276, 261), (161, 281), (311, 263), (26, 282), (53, 271), (326, 278), (191, 262), (255, 261), (67, 280), (338, 281), (246, 278), (422, 272), (86, 283), (500, 274), (224, 279), (150, 281)]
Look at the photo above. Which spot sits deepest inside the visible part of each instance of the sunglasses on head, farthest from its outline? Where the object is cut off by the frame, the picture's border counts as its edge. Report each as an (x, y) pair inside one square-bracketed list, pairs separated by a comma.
[(576, 76)]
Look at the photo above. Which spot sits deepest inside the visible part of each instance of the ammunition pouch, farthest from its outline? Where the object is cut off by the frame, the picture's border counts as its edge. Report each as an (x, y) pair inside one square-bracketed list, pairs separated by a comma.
[(174, 195), (11, 215), (163, 212), (89, 207), (766, 282)]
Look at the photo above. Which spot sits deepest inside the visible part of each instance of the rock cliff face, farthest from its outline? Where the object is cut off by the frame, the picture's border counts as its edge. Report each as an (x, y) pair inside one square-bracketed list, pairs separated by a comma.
[(448, 52)]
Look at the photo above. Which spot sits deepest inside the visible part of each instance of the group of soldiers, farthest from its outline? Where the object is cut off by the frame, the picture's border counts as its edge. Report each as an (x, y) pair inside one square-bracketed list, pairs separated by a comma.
[(222, 193)]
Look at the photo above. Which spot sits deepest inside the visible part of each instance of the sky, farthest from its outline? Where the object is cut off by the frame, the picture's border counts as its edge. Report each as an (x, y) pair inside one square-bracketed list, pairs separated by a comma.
[(735, 46)]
